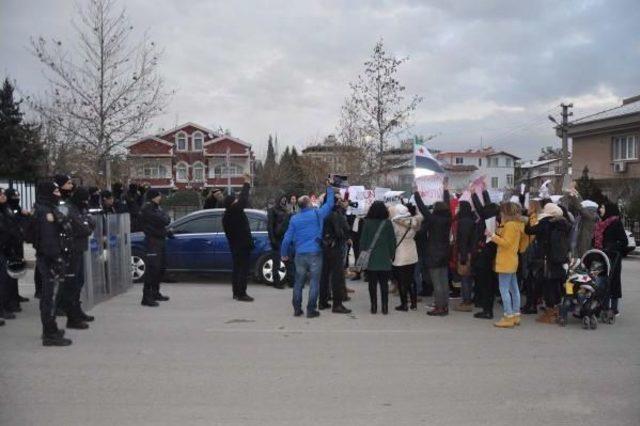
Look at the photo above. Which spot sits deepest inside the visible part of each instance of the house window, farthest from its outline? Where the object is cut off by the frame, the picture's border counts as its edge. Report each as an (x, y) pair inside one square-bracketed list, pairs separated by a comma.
[(198, 172), (625, 148), (494, 182), (151, 170), (459, 160), (181, 141), (221, 170), (479, 162), (509, 162), (182, 172), (198, 141), (509, 180)]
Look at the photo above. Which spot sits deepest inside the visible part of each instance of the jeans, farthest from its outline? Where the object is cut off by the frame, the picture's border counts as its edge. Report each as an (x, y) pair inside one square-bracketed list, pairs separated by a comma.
[(307, 265), (466, 289), (510, 293), (440, 278)]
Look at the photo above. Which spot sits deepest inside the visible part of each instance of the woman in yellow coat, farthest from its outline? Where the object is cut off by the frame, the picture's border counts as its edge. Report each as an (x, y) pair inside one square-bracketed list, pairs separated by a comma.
[(508, 237)]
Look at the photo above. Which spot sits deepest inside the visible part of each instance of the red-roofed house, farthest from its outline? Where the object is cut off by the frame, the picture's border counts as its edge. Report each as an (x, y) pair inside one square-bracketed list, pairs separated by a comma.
[(190, 156)]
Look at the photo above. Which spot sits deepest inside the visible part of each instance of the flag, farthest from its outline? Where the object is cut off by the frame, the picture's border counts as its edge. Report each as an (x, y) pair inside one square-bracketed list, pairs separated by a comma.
[(424, 159)]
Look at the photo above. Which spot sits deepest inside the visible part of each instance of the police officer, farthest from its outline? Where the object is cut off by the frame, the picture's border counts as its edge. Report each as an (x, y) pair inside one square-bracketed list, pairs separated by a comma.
[(52, 233), (65, 185), (8, 239), (154, 222), (82, 226), (21, 216)]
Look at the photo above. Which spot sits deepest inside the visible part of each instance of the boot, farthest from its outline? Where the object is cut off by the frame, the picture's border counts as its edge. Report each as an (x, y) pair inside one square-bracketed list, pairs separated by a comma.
[(505, 322), (160, 297), (1, 322), (76, 324), (55, 340), (7, 314), (148, 298), (373, 297), (374, 306), (340, 309), (385, 308), (413, 296), (402, 307), (84, 316), (516, 319)]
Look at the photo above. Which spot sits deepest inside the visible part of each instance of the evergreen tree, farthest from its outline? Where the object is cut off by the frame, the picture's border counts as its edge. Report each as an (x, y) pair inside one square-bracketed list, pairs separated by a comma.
[(589, 189), (270, 162), (21, 153)]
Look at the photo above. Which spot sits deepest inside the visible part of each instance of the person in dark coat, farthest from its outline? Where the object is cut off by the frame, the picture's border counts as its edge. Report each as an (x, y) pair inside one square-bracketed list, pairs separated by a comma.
[(484, 255), (610, 237), (107, 202), (438, 228), (554, 272), (133, 200), (214, 200), (52, 244), (19, 217), (119, 203), (277, 221), (10, 240), (94, 198), (65, 185), (335, 234), (154, 222), (465, 242), (82, 226), (236, 228)]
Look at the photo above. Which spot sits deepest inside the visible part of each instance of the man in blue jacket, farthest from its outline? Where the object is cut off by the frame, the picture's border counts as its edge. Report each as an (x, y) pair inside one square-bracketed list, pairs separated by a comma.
[(304, 234)]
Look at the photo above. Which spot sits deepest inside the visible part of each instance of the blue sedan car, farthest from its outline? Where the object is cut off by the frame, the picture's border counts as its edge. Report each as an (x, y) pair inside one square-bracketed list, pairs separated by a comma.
[(200, 245)]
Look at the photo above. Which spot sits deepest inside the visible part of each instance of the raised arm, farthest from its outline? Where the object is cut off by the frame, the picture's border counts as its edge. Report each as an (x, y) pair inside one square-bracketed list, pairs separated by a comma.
[(243, 198), (424, 211), (329, 203)]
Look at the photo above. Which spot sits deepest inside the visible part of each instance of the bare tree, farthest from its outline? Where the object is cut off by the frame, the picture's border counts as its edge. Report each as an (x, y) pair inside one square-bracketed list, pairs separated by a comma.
[(106, 90), (378, 100)]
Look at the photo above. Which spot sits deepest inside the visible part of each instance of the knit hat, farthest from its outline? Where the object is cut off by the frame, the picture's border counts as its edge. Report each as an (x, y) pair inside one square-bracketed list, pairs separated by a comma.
[(152, 193), (106, 194), (550, 210)]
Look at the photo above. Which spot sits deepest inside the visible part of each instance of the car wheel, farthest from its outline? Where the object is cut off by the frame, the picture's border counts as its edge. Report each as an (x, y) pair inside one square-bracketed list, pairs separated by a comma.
[(138, 267), (265, 271)]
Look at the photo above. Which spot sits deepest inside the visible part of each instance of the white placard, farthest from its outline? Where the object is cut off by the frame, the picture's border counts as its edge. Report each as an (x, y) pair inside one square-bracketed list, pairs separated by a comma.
[(431, 188)]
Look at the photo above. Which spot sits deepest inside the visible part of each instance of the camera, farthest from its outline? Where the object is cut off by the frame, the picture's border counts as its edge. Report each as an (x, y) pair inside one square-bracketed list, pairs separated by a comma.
[(353, 204), (338, 181)]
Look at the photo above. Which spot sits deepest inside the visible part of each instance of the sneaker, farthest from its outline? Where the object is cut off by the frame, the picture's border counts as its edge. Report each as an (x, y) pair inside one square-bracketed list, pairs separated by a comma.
[(402, 308), (313, 314), (323, 306)]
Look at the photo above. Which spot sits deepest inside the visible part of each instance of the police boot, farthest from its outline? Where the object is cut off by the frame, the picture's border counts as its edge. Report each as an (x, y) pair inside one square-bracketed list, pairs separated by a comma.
[(148, 296), (82, 314), (157, 295), (51, 336), (1, 322), (76, 323)]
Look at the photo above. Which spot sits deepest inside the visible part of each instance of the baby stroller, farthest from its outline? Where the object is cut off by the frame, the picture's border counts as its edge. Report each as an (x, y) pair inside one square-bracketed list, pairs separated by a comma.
[(586, 291)]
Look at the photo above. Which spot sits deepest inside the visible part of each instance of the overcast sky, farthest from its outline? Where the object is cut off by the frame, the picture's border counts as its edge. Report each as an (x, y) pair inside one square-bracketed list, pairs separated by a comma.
[(490, 70)]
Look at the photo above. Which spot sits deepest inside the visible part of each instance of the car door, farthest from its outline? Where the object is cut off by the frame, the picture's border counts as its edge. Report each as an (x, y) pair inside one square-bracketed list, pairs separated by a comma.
[(258, 227), (193, 245)]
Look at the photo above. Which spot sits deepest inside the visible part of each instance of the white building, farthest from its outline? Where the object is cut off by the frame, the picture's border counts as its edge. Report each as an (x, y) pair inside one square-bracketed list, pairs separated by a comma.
[(463, 167)]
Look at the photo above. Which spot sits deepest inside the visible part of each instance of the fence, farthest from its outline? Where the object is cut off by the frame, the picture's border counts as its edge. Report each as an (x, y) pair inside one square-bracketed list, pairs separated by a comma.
[(26, 189), (107, 263)]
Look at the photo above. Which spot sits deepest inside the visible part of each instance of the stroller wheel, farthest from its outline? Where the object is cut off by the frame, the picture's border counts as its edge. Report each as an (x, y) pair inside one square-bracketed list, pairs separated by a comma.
[(612, 320), (586, 323), (593, 322)]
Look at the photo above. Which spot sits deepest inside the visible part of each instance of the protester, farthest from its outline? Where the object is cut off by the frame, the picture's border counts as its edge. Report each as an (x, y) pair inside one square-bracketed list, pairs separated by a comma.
[(303, 238), (214, 199), (335, 237), (293, 204), (483, 259), (553, 234), (465, 245), (378, 237), (236, 228), (406, 255), (610, 237), (277, 222), (154, 222), (438, 227), (588, 217), (52, 245), (534, 259), (508, 238)]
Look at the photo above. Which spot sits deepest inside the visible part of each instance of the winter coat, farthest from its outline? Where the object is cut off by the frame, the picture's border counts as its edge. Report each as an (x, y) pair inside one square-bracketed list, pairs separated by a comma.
[(614, 244), (466, 237), (335, 229), (542, 231), (236, 224), (305, 229), (588, 218), (508, 239), (382, 254), (277, 220), (154, 221), (438, 229), (82, 225), (406, 252)]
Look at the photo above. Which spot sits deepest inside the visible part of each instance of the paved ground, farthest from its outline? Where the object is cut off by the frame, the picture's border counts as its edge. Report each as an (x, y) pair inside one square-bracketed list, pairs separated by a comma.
[(203, 359)]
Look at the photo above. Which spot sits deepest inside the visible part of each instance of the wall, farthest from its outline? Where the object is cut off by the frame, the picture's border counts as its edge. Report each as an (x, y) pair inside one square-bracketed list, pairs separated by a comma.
[(595, 152)]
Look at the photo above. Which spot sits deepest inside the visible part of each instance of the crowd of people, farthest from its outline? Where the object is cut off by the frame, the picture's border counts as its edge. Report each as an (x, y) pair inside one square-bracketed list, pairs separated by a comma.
[(420, 250)]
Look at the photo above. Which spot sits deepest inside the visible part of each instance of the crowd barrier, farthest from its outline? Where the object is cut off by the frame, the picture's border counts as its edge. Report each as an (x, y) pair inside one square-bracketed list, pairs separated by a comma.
[(107, 263)]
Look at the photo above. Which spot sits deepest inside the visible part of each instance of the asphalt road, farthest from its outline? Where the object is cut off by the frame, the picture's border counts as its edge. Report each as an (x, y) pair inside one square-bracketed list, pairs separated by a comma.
[(203, 359)]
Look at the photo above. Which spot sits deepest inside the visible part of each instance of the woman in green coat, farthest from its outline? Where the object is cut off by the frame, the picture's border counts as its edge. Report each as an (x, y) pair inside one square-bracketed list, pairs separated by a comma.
[(382, 253)]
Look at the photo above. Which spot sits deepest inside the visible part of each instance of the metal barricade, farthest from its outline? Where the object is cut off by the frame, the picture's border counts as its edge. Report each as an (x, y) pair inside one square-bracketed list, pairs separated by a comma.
[(108, 261)]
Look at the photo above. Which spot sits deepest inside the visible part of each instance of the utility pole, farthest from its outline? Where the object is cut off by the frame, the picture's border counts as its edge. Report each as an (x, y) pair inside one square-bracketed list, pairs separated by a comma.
[(565, 144)]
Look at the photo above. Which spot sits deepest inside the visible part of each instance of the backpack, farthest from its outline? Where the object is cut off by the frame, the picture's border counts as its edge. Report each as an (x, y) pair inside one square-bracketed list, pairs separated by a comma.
[(559, 242)]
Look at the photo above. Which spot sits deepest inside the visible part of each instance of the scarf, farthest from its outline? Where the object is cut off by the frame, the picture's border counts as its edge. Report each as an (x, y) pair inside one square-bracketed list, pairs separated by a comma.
[(599, 231)]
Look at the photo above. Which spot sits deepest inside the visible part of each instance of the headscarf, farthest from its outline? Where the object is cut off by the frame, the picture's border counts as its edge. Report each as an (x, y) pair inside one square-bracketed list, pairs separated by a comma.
[(550, 210)]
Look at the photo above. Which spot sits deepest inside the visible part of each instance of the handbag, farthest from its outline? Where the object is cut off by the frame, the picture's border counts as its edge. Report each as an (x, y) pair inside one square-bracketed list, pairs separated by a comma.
[(464, 270), (363, 259)]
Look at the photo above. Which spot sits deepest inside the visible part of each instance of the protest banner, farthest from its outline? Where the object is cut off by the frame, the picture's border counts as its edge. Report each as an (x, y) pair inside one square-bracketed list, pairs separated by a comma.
[(380, 192), (431, 188)]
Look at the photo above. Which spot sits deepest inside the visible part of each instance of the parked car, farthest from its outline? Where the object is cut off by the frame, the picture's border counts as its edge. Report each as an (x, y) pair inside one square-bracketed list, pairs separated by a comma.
[(631, 247), (200, 245)]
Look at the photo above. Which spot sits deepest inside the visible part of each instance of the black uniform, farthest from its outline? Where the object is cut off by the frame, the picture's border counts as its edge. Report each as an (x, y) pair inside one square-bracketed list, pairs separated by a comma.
[(7, 247), (12, 250), (52, 244), (154, 222), (277, 223), (236, 228), (82, 226), (335, 233)]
